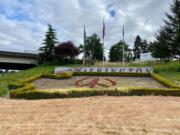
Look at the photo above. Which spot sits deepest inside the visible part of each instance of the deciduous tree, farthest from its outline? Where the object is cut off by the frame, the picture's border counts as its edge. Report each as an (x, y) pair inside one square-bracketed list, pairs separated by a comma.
[(116, 52), (66, 50)]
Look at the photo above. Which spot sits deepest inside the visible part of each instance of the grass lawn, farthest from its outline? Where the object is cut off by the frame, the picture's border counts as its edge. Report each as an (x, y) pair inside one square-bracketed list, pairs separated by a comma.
[(169, 70)]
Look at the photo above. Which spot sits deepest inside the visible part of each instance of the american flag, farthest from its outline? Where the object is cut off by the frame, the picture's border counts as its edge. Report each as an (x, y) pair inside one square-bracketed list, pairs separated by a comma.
[(84, 32), (123, 31)]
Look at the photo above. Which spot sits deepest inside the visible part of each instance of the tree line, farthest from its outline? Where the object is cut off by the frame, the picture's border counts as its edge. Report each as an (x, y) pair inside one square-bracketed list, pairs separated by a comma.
[(165, 47)]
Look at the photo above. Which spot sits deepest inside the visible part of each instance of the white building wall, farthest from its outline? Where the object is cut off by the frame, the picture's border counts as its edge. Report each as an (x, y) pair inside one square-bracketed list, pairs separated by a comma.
[(146, 57)]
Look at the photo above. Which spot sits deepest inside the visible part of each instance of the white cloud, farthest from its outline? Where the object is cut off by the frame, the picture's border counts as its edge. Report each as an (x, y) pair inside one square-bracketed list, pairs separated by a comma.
[(23, 23)]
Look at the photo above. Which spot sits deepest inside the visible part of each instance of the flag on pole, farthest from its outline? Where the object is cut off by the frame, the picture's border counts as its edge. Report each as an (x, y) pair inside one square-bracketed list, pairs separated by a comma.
[(84, 32), (84, 49), (103, 40), (104, 29), (123, 45), (123, 31)]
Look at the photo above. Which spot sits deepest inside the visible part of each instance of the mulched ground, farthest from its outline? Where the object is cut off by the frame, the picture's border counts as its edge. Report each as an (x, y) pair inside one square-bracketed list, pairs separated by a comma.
[(147, 82), (91, 116)]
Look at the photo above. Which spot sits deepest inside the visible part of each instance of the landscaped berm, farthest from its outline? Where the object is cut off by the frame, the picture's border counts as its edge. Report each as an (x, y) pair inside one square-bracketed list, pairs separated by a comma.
[(84, 84), (91, 102)]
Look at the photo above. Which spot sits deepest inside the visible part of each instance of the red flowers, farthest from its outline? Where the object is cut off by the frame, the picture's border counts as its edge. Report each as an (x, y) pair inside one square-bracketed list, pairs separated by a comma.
[(112, 82), (95, 81)]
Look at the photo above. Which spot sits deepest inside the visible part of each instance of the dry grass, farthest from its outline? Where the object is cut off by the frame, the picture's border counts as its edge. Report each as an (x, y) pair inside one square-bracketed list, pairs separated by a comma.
[(94, 115)]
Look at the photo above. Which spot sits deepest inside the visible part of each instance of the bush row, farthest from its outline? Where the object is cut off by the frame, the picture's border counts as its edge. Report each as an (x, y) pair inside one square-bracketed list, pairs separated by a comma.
[(45, 94), (22, 83), (164, 81), (27, 90)]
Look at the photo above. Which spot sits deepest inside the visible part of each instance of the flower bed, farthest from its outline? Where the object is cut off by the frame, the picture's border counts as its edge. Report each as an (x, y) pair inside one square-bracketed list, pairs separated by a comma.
[(27, 90)]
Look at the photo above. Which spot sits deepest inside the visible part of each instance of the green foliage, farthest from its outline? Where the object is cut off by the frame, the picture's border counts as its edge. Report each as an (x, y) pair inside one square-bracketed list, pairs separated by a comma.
[(47, 51), (137, 47), (164, 81), (140, 46), (66, 75), (66, 51), (169, 70), (116, 52), (18, 92), (28, 90), (48, 94), (167, 45), (160, 49), (93, 47), (12, 86)]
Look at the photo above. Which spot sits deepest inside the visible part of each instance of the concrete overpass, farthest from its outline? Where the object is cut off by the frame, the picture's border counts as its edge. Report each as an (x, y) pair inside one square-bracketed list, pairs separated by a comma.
[(17, 60)]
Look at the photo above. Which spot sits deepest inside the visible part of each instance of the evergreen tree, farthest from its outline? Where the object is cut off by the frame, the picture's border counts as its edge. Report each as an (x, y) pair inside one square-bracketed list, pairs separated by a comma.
[(145, 47), (138, 45), (169, 35), (116, 52), (159, 50), (47, 51)]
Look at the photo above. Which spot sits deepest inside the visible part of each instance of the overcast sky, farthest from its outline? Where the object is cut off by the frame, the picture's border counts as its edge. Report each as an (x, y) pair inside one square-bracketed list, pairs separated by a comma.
[(24, 22)]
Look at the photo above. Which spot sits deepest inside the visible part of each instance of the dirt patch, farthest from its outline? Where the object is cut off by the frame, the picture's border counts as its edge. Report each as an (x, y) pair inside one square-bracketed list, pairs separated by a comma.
[(95, 115), (146, 82)]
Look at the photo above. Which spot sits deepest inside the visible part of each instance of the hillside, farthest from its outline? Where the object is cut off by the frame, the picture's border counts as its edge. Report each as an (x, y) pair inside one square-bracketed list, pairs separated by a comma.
[(169, 70)]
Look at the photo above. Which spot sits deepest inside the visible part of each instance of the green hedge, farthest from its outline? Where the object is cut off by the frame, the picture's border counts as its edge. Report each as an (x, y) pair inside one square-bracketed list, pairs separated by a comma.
[(17, 85), (45, 94), (27, 90), (164, 81), (22, 83), (18, 92)]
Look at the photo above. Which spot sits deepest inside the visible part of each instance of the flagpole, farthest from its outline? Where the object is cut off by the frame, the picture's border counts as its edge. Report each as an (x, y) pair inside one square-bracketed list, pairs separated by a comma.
[(103, 39), (103, 51), (123, 45), (84, 52)]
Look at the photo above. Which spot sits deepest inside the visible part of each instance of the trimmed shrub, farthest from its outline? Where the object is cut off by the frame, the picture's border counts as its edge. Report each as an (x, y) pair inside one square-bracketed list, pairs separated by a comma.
[(164, 81), (18, 93), (12, 86), (27, 90), (31, 79), (45, 94), (64, 75)]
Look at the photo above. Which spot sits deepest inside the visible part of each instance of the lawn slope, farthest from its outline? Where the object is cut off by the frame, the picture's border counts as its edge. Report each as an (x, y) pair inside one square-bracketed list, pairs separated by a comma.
[(169, 70)]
